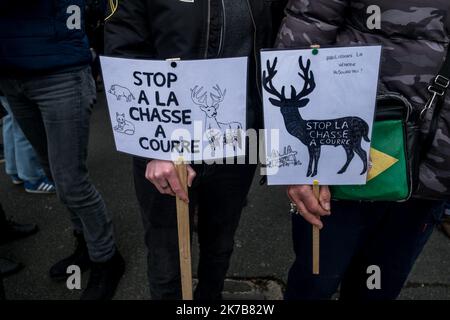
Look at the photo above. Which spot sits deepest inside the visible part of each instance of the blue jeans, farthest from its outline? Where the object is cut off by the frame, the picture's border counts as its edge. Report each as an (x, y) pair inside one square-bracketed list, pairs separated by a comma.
[(54, 111), (357, 235), (20, 157)]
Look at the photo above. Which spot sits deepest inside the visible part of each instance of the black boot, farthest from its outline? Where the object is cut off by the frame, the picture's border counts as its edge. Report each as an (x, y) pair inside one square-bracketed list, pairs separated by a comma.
[(9, 267), (12, 231), (104, 278), (80, 258)]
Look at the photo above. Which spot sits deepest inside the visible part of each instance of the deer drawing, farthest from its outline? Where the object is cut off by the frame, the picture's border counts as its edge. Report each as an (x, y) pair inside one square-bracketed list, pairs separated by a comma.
[(347, 132), (218, 133)]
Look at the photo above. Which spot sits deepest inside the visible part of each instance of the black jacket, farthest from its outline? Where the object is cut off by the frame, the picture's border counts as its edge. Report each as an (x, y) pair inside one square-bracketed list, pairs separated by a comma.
[(42, 36), (162, 29)]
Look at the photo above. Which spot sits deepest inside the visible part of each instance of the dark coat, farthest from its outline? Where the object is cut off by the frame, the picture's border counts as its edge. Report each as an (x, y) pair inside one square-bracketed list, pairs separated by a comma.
[(39, 36), (162, 29)]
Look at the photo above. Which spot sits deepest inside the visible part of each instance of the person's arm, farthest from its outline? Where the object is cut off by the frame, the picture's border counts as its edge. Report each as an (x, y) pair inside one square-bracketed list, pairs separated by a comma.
[(128, 29), (311, 22)]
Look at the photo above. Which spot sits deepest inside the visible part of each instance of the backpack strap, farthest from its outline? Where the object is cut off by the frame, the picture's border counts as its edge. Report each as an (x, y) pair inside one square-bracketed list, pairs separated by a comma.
[(439, 85), (438, 89)]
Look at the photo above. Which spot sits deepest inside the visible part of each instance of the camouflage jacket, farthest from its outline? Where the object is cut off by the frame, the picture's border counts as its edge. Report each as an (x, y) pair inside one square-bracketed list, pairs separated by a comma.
[(415, 35)]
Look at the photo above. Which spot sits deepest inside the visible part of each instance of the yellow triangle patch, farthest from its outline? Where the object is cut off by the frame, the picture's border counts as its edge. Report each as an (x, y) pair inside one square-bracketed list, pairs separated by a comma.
[(379, 163)]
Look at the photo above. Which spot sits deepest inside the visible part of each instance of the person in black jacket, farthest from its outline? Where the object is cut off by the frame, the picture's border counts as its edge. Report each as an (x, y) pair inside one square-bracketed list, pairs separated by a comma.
[(161, 29)]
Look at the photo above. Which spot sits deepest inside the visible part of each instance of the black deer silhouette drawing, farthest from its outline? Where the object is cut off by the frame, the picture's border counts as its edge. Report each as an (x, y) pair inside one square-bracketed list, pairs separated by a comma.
[(347, 132)]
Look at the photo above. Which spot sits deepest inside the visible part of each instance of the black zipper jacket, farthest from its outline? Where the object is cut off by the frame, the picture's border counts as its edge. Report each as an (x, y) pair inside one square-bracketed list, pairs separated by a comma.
[(186, 29)]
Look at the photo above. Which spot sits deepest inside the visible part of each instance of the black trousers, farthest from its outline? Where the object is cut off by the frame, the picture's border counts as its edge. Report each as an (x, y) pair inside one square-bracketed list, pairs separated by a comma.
[(219, 191), (358, 235)]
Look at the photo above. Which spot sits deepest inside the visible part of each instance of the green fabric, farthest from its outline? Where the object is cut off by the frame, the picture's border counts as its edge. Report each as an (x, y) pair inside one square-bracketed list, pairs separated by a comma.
[(392, 184)]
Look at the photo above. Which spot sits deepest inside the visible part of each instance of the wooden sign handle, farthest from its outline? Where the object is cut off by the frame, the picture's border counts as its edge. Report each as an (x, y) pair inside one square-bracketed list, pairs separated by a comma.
[(184, 236), (184, 232), (316, 236), (315, 229)]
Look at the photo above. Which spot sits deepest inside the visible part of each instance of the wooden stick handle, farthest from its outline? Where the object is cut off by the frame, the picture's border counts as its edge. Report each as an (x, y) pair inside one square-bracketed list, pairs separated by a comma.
[(184, 236), (316, 236)]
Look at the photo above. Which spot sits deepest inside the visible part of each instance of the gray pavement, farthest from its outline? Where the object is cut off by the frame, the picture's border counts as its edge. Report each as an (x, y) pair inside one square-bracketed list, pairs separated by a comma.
[(263, 250)]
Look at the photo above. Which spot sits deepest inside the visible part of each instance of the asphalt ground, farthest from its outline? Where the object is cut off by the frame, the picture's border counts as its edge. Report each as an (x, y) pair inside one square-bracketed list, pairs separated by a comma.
[(263, 249)]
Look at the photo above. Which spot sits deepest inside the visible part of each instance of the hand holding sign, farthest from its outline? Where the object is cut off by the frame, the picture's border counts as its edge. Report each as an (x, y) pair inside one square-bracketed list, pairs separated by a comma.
[(164, 177), (169, 111), (334, 108), (309, 207)]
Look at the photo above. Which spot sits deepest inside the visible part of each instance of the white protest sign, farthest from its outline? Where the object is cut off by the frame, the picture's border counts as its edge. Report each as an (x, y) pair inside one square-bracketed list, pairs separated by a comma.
[(321, 108), (167, 109)]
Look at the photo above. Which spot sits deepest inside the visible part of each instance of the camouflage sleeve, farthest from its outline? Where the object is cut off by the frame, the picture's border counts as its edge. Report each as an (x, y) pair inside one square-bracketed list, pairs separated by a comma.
[(310, 22)]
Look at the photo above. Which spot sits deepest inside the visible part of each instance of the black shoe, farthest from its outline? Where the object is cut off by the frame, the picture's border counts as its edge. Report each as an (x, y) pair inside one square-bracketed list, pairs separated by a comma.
[(15, 231), (104, 278), (9, 267), (80, 258)]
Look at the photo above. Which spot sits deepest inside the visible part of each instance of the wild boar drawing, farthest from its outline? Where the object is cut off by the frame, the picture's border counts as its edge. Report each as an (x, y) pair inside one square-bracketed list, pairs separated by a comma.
[(119, 92)]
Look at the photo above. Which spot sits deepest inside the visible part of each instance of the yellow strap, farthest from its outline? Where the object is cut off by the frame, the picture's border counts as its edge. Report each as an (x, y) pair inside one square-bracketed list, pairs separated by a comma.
[(113, 4)]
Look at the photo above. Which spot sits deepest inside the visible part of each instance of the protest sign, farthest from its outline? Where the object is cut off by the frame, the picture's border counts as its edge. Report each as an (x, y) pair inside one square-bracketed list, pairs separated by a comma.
[(321, 102), (170, 109), (178, 111)]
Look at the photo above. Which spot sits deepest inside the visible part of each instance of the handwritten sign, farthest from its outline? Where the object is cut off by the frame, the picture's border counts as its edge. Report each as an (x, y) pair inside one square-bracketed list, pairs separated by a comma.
[(320, 104), (167, 109)]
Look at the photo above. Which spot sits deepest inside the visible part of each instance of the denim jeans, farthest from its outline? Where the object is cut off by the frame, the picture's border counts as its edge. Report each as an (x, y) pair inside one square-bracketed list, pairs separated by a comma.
[(54, 111), (356, 236), (20, 157), (220, 192)]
